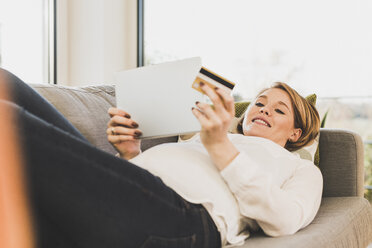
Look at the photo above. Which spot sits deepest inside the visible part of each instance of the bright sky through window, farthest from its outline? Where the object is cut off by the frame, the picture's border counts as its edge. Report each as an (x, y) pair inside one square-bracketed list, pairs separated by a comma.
[(322, 46)]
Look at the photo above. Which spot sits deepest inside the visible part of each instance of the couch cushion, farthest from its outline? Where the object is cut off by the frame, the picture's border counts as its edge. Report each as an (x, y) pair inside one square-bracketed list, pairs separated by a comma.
[(85, 107), (341, 222)]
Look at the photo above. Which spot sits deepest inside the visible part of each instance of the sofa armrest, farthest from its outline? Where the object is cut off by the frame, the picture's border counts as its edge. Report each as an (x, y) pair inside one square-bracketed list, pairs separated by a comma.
[(341, 162)]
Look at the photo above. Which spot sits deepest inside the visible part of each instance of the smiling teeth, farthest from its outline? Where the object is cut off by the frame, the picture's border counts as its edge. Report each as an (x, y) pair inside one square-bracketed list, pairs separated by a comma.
[(261, 121)]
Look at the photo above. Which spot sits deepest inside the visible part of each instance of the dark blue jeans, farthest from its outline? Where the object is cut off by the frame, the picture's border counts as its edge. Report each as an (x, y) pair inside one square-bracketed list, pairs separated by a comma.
[(83, 197)]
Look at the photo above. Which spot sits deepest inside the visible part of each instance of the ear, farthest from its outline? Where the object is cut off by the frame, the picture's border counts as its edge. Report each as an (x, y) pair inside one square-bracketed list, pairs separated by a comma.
[(296, 134)]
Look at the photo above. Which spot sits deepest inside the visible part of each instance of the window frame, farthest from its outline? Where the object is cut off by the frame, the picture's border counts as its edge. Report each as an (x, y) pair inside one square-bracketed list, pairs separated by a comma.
[(140, 33), (50, 41)]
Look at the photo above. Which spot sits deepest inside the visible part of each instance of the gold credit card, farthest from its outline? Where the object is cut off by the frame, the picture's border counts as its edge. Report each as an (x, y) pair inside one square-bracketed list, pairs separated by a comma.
[(213, 80)]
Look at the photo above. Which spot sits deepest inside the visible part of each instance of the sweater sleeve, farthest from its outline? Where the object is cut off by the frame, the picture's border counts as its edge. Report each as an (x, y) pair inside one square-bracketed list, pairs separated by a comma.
[(278, 209)]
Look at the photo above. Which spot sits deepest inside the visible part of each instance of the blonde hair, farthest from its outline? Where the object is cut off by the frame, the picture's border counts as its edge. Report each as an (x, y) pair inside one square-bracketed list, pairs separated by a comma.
[(306, 117)]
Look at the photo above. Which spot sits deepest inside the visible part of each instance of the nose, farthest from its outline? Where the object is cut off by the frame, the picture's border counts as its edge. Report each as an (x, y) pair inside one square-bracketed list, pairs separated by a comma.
[(264, 111)]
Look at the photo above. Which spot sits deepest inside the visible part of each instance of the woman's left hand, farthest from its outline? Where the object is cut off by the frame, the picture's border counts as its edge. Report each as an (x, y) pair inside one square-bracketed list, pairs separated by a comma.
[(215, 122)]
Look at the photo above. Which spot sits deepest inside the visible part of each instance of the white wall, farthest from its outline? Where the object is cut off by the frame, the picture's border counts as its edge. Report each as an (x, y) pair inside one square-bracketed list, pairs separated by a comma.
[(95, 39)]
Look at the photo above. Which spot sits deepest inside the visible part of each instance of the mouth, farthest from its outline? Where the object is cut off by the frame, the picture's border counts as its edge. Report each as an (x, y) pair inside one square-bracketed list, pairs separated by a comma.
[(261, 121)]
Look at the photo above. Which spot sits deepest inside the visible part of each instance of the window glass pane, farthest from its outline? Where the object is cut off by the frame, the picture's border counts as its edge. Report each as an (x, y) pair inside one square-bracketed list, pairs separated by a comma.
[(22, 39), (322, 46)]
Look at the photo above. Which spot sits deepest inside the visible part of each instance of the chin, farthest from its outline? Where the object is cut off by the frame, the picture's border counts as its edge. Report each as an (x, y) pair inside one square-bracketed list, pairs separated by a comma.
[(254, 132)]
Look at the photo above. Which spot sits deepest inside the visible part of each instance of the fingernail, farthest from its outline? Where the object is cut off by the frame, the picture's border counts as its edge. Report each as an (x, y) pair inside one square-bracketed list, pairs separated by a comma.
[(197, 102), (127, 115), (192, 108), (135, 125), (216, 88), (201, 83), (137, 133)]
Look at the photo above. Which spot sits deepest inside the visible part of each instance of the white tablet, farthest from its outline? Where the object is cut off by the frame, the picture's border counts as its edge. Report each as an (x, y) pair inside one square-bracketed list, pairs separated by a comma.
[(160, 97)]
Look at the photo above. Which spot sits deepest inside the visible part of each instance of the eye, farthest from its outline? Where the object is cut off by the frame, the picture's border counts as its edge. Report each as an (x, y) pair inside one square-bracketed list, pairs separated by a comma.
[(258, 104), (279, 111)]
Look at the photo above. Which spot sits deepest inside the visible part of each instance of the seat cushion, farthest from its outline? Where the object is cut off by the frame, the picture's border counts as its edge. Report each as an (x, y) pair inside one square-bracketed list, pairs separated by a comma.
[(341, 222)]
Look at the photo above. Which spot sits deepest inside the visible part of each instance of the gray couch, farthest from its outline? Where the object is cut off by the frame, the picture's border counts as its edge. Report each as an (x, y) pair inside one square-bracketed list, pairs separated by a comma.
[(344, 218)]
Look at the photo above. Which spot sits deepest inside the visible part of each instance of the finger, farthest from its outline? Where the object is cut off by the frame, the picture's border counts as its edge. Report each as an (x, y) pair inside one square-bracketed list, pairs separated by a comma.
[(116, 111), (207, 110), (215, 98), (116, 139), (110, 131), (117, 120), (119, 130), (203, 120), (227, 100)]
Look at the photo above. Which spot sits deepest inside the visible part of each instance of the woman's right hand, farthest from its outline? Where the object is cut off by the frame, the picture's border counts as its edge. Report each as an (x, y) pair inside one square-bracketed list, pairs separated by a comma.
[(123, 133)]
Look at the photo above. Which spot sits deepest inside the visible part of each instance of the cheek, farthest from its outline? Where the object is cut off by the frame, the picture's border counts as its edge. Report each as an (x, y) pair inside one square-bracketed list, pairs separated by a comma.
[(284, 124)]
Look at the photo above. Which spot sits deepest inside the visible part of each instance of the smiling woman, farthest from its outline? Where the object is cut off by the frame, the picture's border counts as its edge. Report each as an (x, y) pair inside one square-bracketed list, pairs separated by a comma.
[(279, 113), (272, 118)]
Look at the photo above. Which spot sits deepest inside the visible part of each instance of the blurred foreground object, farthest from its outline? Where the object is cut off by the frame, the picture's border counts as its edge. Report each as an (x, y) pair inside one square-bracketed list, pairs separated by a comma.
[(15, 224)]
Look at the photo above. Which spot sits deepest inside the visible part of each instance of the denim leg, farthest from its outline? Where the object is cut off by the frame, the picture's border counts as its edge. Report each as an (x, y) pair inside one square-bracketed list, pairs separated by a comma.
[(26, 97), (84, 197)]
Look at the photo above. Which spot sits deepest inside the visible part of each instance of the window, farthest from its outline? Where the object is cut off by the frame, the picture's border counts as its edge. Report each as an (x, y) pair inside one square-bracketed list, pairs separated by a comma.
[(24, 39), (315, 46)]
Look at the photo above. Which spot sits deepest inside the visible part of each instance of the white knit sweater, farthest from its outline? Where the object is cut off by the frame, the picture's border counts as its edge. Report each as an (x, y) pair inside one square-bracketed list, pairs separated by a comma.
[(264, 186)]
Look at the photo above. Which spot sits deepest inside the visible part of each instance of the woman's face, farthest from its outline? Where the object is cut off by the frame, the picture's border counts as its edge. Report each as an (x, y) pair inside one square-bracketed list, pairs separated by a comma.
[(271, 116)]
